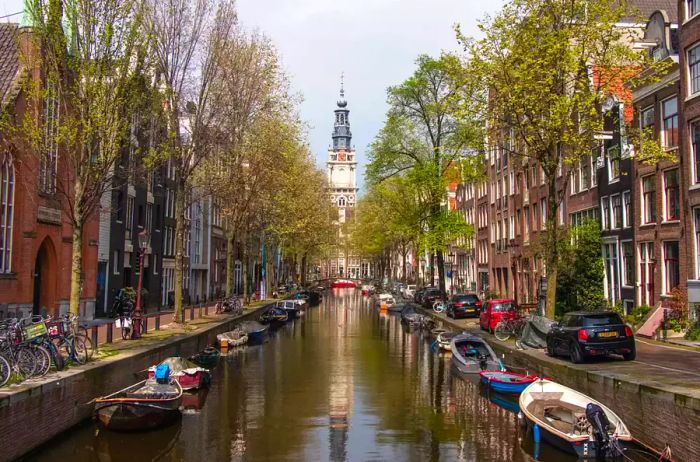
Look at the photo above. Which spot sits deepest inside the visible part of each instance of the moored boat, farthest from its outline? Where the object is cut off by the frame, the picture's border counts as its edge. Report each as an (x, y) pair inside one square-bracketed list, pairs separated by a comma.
[(256, 332), (207, 358), (343, 284), (274, 315), (143, 406), (471, 354), (572, 421), (235, 337), (444, 340), (506, 381), (291, 307), (188, 375)]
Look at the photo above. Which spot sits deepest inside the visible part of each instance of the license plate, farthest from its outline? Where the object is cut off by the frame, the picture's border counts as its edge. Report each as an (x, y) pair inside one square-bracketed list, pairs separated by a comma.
[(470, 310), (607, 334)]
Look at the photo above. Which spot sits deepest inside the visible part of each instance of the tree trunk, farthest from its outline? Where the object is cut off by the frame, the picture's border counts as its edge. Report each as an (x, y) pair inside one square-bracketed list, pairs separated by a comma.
[(441, 270), (244, 262), (432, 268), (179, 244), (76, 269), (230, 241), (404, 255), (303, 269), (552, 247)]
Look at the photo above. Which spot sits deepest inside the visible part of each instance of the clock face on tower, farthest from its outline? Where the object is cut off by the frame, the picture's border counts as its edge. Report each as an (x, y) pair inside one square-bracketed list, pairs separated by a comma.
[(341, 155)]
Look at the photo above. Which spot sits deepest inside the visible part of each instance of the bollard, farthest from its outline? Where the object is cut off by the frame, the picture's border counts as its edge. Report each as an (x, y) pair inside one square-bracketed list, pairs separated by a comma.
[(199, 312), (182, 315), (191, 313), (144, 325), (158, 321), (110, 333), (206, 310)]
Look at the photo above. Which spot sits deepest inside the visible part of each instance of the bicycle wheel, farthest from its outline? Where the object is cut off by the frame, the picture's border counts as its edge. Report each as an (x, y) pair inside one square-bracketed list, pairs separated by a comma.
[(502, 331), (89, 345), (5, 371), (25, 364), (56, 357), (43, 360), (80, 350)]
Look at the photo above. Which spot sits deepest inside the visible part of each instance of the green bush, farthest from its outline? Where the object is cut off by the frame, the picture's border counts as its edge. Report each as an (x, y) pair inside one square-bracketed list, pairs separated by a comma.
[(694, 332)]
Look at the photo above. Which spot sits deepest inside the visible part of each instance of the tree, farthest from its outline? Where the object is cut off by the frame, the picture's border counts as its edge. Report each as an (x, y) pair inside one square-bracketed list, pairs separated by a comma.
[(429, 128), (188, 43), (547, 67), (582, 273), (90, 50)]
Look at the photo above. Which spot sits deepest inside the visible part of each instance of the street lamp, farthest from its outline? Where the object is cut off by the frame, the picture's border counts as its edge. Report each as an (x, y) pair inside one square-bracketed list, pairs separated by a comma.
[(451, 260), (143, 239)]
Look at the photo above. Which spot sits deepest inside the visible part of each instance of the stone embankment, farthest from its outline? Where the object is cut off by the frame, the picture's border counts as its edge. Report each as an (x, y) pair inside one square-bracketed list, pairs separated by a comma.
[(658, 406), (38, 410)]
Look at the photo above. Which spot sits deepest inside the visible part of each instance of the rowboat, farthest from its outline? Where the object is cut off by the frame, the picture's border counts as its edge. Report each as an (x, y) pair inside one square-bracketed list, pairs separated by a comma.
[(471, 354), (188, 375), (207, 358), (143, 406), (235, 337), (444, 340), (257, 333), (572, 421), (506, 381), (274, 315)]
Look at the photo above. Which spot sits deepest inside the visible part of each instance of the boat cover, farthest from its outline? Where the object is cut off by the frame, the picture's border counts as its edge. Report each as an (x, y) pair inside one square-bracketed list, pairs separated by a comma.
[(535, 332), (179, 366)]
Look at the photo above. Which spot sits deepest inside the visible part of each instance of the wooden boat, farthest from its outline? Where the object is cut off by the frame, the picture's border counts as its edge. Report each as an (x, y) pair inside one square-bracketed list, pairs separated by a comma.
[(235, 337), (207, 358), (471, 354), (443, 340), (274, 315), (343, 284), (572, 421), (188, 375), (506, 381), (257, 333), (142, 406)]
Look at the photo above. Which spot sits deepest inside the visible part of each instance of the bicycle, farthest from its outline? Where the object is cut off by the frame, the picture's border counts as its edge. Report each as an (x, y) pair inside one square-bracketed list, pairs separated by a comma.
[(66, 342), (5, 371), (439, 306), (233, 305), (509, 327), (20, 356)]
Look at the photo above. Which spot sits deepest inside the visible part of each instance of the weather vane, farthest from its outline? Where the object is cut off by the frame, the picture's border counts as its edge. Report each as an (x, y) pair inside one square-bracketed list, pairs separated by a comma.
[(342, 91)]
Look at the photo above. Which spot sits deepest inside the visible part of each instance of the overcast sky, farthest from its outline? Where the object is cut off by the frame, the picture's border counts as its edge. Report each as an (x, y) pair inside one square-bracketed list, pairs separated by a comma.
[(374, 42)]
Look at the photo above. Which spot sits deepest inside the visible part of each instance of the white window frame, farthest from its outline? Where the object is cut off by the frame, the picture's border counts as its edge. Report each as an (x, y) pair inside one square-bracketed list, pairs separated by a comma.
[(116, 262), (623, 273), (695, 48), (609, 156), (688, 12), (662, 128), (612, 213), (696, 241), (7, 208), (605, 212), (625, 222), (665, 290)]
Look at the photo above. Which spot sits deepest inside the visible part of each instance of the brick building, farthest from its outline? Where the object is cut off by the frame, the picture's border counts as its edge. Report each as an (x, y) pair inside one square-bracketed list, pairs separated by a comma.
[(35, 230)]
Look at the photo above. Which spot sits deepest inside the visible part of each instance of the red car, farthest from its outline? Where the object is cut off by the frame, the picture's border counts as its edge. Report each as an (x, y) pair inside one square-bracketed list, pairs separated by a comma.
[(495, 310)]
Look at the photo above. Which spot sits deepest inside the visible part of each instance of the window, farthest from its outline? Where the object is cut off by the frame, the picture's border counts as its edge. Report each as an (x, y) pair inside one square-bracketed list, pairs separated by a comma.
[(605, 212), (626, 209), (627, 264), (647, 117), (671, 268), (341, 202), (694, 66), (616, 205), (695, 147), (7, 202), (672, 193), (535, 216), (49, 156), (543, 209), (585, 173), (646, 272), (612, 280), (669, 109), (649, 199), (155, 263), (693, 8), (614, 163), (696, 219)]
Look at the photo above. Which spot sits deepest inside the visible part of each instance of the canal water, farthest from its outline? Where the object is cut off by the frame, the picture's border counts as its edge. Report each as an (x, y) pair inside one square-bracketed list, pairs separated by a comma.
[(343, 383)]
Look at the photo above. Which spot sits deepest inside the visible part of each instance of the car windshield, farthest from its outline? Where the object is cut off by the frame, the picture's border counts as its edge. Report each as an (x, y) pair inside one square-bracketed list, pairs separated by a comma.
[(408, 310), (602, 320), (469, 298), (503, 307)]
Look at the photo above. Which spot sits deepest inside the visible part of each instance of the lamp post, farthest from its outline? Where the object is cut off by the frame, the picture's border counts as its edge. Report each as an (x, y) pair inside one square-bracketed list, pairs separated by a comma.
[(143, 239), (451, 260)]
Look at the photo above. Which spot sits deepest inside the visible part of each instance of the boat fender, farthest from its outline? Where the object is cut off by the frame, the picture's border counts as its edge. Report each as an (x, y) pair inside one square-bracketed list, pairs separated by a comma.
[(536, 434), (162, 373)]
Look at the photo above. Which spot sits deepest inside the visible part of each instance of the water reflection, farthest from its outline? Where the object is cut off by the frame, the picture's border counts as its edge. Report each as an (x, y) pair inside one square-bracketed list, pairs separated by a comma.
[(343, 383)]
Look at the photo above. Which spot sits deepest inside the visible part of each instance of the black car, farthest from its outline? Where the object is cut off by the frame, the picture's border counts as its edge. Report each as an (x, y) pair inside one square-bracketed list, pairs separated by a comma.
[(418, 295), (583, 334), (430, 296), (463, 305)]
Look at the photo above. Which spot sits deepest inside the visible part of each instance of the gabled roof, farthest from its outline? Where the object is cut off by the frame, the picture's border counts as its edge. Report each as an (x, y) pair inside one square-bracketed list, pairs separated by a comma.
[(645, 8), (9, 60)]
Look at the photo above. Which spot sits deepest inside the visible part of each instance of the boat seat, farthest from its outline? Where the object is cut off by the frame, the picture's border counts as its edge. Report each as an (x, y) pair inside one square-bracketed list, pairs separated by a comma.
[(565, 417)]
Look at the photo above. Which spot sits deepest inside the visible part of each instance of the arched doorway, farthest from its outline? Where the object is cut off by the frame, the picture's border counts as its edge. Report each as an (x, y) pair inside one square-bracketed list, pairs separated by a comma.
[(45, 279)]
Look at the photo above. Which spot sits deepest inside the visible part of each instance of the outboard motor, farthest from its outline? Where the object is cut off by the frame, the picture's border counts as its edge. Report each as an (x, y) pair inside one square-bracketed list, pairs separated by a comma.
[(483, 362), (600, 426)]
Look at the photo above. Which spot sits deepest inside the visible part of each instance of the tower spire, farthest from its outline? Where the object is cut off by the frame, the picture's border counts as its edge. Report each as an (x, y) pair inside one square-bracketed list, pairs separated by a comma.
[(342, 90)]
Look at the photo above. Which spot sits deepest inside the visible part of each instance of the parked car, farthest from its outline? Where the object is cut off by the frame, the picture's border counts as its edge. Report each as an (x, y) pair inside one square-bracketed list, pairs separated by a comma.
[(418, 295), (495, 310), (431, 295), (463, 305), (582, 334)]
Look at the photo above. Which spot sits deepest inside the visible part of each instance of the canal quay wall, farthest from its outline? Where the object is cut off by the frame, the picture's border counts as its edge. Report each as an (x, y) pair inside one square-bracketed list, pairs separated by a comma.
[(37, 412), (656, 413)]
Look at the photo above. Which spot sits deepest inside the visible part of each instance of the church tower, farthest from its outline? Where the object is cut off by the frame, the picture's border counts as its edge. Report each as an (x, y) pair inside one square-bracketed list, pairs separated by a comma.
[(342, 160)]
